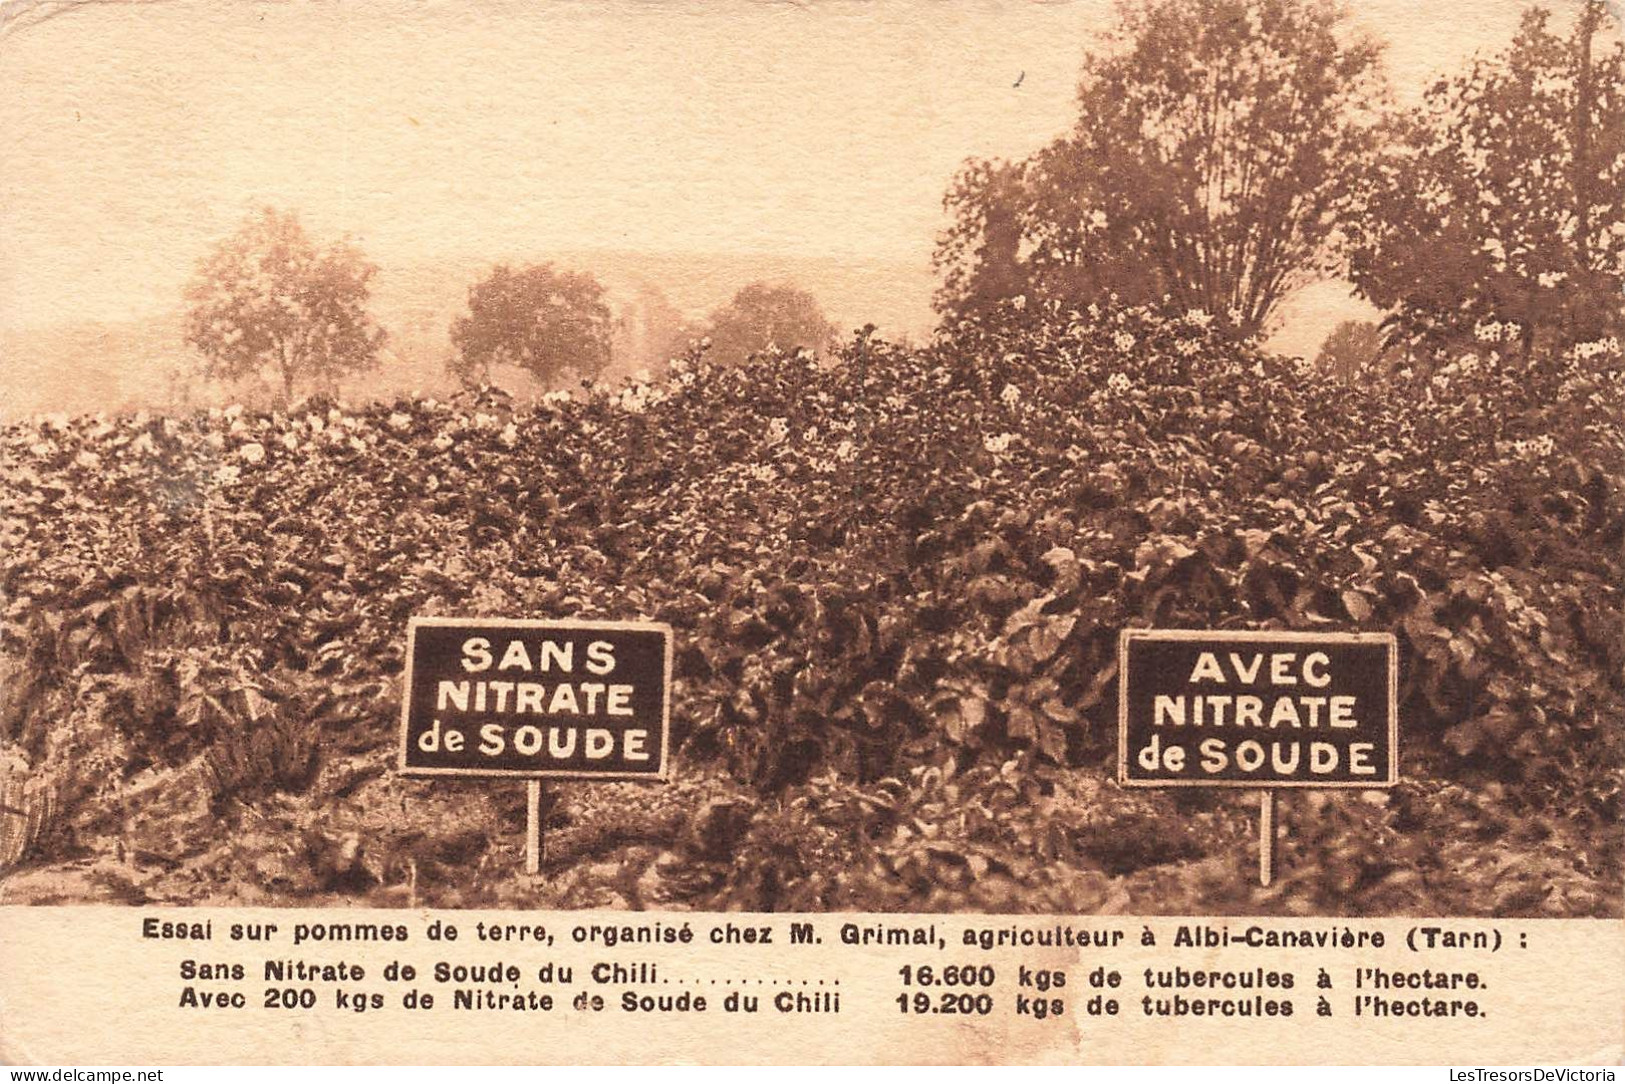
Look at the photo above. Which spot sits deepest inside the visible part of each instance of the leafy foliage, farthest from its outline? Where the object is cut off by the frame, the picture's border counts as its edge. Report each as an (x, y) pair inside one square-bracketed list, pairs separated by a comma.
[(1498, 213), (896, 583), (1217, 152), (547, 321), (269, 297)]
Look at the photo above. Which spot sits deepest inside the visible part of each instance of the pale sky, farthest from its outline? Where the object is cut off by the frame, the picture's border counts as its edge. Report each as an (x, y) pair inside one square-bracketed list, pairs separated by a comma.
[(133, 135)]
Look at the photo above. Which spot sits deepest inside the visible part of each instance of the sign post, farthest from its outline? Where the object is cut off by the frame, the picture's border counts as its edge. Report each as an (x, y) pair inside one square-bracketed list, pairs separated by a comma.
[(533, 827), (1266, 837), (535, 700), (1260, 710)]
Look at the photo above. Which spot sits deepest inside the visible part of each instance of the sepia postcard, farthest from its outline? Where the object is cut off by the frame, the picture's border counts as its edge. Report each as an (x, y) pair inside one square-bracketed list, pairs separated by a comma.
[(1085, 531)]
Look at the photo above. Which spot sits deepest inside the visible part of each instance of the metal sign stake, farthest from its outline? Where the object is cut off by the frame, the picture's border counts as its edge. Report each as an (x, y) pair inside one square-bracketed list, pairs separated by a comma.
[(533, 826), (1266, 837)]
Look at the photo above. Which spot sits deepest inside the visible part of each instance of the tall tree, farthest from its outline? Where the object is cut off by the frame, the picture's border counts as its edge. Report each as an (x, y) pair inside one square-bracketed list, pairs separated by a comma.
[(1500, 211), (546, 321), (760, 316), (979, 257), (268, 297), (1214, 160)]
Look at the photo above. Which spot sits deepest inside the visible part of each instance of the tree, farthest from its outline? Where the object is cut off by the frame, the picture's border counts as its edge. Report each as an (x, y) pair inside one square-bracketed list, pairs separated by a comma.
[(544, 320), (760, 316), (268, 296), (1214, 160), (1352, 348), (1500, 211)]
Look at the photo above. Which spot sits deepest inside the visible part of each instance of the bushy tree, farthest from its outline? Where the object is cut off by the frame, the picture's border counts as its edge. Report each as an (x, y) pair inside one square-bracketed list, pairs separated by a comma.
[(760, 316), (544, 320), (1499, 213), (1214, 158), (269, 298)]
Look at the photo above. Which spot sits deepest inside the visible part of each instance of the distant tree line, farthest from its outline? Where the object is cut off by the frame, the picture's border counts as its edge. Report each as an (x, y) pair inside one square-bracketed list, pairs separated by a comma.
[(269, 301), (554, 323), (1225, 153)]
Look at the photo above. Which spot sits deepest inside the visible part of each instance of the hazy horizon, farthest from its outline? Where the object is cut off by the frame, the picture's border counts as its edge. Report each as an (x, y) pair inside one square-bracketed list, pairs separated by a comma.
[(136, 136)]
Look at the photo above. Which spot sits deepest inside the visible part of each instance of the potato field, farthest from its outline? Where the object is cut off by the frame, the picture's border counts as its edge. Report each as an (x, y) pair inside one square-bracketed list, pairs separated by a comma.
[(896, 578)]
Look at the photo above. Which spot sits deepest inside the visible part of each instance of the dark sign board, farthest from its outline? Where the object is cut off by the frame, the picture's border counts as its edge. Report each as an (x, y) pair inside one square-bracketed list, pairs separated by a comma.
[(1257, 709), (536, 699)]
